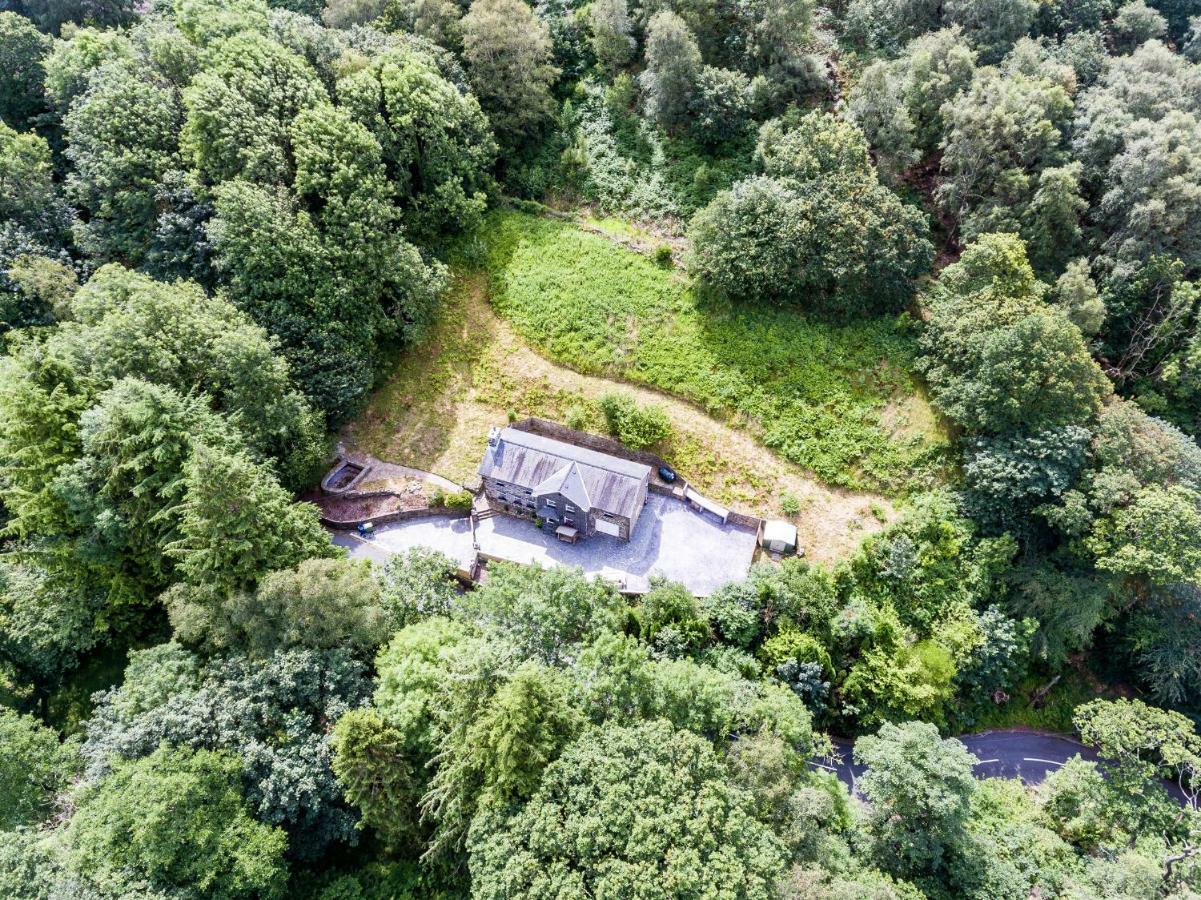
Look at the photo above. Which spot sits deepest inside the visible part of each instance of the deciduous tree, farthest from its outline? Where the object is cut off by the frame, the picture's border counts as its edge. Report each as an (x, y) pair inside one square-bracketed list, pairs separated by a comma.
[(508, 55)]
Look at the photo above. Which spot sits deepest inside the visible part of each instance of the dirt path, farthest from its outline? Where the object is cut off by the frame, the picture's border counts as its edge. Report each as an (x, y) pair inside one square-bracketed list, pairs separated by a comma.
[(434, 414)]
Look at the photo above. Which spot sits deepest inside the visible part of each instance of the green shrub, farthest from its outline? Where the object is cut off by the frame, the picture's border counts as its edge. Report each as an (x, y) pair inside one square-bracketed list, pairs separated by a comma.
[(663, 255), (458, 500), (789, 504), (576, 417), (438, 498), (635, 426), (790, 643)]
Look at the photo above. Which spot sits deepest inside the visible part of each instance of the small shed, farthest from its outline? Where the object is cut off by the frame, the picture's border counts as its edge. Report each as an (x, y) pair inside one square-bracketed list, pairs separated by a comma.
[(779, 536)]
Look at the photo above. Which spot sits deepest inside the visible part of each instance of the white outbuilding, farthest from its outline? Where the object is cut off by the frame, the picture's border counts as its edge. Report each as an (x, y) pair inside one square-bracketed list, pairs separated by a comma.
[(779, 536)]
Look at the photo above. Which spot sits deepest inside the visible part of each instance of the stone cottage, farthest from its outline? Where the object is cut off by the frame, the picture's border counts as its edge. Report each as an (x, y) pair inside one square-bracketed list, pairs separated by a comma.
[(576, 491)]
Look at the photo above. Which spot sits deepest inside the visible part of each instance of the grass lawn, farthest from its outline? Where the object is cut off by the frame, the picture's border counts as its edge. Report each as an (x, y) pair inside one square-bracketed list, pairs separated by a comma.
[(838, 401)]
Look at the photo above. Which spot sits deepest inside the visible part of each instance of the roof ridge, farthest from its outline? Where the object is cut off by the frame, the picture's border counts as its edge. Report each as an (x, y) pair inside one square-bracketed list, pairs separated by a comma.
[(575, 453)]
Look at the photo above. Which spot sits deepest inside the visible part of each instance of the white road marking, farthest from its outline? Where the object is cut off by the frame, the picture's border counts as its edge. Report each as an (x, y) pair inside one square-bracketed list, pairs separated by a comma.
[(1050, 762), (985, 762), (828, 768)]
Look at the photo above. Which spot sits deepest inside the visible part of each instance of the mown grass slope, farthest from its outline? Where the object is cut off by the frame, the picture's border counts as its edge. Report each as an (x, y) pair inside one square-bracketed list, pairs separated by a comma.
[(838, 400)]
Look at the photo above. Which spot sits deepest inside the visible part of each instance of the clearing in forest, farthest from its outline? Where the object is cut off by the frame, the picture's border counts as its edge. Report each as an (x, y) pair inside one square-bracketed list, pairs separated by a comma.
[(844, 409)]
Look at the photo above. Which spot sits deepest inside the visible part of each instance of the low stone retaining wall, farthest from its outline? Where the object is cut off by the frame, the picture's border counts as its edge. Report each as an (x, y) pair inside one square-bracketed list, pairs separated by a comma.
[(742, 520), (401, 515), (589, 441)]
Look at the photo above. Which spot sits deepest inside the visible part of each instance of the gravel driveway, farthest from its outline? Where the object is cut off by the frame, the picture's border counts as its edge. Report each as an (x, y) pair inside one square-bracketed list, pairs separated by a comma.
[(451, 536), (670, 539)]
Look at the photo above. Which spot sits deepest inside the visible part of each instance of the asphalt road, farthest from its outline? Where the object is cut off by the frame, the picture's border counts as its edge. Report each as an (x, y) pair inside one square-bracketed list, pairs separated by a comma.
[(1028, 755)]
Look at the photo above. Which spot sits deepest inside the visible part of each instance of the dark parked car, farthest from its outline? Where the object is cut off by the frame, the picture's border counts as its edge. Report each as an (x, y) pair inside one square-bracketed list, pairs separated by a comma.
[(668, 474)]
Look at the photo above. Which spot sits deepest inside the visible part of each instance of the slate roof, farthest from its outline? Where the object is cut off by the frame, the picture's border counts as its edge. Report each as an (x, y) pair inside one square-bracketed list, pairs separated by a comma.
[(570, 483), (591, 480)]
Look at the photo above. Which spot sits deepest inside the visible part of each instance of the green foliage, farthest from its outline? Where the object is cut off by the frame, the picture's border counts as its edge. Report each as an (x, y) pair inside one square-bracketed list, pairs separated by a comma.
[(331, 299), (273, 713), (35, 768), (123, 135), (1156, 536), (612, 42), (28, 195), (49, 619), (459, 500), (501, 745), (1141, 741), (544, 614), (237, 523), (1007, 850), (643, 782), (673, 64), (802, 235), (436, 143), (418, 584), (670, 620), (178, 819), (899, 103), (507, 54), (999, 359), (22, 49), (1005, 138), (261, 86), (369, 761), (1068, 605), (992, 26), (920, 788), (888, 24), (638, 427), (1076, 293), (126, 486), (1007, 476), (790, 505), (999, 662), (735, 613), (322, 604), (127, 325), (1163, 636), (719, 105), (1135, 23), (897, 682), (815, 388)]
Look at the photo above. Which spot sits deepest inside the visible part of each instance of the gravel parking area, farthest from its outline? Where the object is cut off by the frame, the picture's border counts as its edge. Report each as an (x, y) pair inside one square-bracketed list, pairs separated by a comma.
[(442, 533), (670, 539)]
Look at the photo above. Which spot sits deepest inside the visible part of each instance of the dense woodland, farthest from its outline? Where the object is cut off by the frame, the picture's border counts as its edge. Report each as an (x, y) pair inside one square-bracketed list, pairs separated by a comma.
[(222, 222)]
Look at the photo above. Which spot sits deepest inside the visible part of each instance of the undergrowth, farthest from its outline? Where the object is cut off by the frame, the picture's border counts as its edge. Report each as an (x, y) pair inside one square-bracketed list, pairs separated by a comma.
[(812, 391)]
